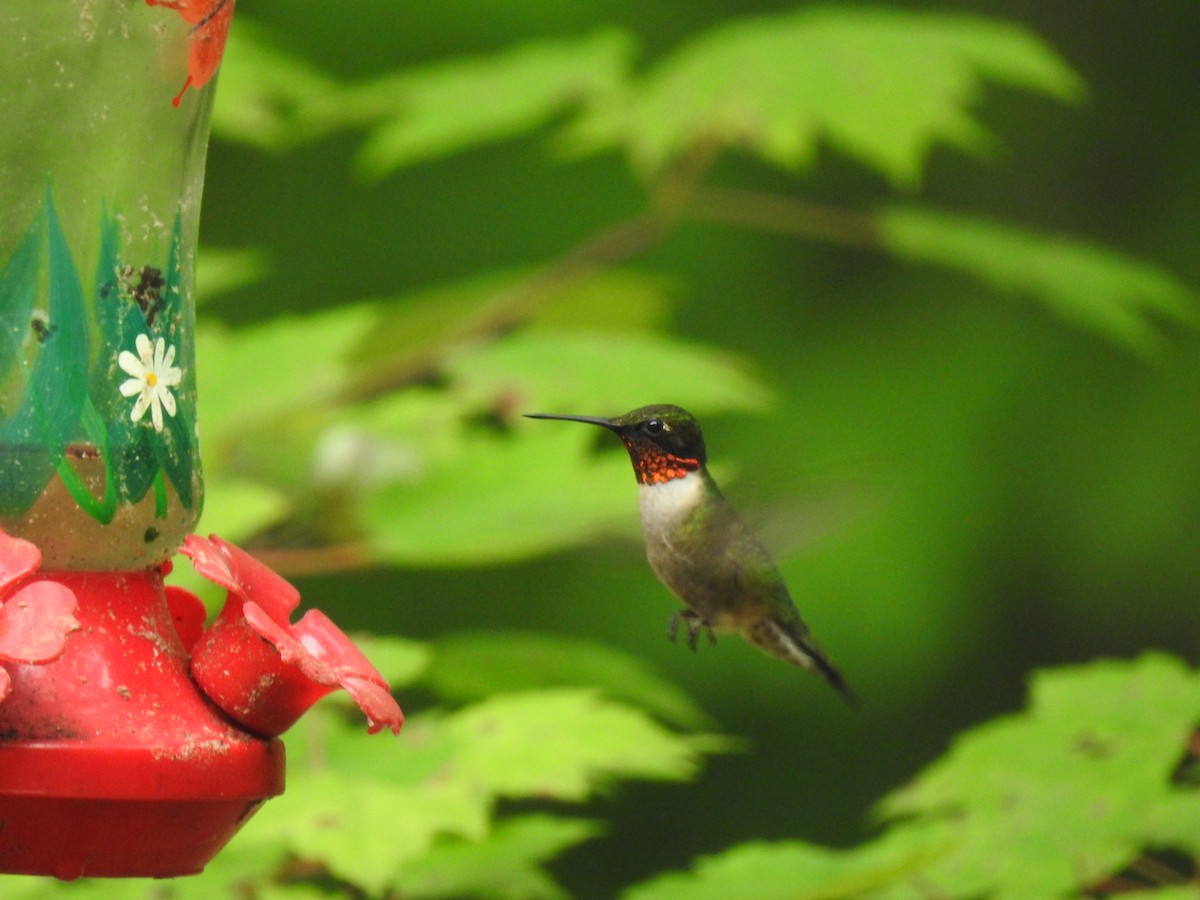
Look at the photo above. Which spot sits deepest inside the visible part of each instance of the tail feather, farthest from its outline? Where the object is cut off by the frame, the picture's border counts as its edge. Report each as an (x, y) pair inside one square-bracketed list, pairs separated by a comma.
[(794, 645)]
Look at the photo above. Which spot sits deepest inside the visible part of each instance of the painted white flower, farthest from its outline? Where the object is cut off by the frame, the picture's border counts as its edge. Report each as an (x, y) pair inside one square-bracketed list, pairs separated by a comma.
[(153, 376)]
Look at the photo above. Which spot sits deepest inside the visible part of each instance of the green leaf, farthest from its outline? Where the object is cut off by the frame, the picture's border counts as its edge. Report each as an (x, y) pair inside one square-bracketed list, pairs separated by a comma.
[(472, 665), (399, 660), (546, 493), (18, 291), (237, 509), (362, 828), (58, 386), (415, 332), (1066, 793), (29, 466), (564, 744), (883, 86), (22, 887), (1087, 285), (450, 106), (307, 358), (504, 864), (792, 870), (609, 373), (444, 774), (267, 94), (220, 270)]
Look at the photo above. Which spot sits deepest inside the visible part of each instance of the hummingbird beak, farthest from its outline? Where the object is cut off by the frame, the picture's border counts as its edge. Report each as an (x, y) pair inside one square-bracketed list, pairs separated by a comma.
[(591, 420)]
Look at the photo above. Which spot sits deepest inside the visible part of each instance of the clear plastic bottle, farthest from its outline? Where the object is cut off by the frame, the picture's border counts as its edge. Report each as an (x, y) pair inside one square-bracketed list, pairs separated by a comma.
[(100, 183)]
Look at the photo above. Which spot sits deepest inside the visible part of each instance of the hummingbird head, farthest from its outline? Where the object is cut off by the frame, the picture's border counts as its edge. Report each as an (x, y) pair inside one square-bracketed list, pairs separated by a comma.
[(664, 442)]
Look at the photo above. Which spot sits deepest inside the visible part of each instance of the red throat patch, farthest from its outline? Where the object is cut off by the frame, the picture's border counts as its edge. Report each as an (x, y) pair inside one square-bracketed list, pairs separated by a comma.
[(653, 465)]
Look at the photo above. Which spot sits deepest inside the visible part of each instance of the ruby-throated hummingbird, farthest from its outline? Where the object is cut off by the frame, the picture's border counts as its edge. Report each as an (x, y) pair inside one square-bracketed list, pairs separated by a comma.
[(701, 549)]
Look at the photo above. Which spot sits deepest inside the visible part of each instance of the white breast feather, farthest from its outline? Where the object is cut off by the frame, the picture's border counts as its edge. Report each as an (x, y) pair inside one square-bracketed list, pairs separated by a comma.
[(662, 504)]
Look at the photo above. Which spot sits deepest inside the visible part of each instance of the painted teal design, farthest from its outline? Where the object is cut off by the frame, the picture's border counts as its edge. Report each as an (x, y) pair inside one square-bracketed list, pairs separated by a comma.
[(62, 359), (26, 468)]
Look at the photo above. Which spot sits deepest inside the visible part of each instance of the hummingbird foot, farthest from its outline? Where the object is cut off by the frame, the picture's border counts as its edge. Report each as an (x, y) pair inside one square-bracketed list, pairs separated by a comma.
[(694, 624)]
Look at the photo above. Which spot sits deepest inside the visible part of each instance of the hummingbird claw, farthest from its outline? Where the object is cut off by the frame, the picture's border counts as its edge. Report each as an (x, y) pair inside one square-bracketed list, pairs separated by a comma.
[(694, 624)]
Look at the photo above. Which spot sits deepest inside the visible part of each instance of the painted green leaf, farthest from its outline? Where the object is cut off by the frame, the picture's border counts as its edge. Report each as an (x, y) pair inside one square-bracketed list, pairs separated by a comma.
[(58, 386), (130, 458), (18, 291), (880, 85), (1086, 284), (504, 864), (27, 464), (177, 451), (472, 665), (450, 106), (1066, 793), (174, 449), (111, 308)]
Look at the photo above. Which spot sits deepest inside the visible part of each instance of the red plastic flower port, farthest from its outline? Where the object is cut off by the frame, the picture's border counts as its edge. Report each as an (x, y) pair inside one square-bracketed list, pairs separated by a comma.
[(35, 616), (210, 27), (263, 671)]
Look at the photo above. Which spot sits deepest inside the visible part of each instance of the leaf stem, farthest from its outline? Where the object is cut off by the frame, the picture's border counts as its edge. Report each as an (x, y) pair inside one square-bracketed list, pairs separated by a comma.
[(783, 215), (1157, 872)]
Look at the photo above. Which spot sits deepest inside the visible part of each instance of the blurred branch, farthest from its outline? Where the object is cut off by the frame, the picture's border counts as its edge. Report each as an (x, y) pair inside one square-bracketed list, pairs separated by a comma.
[(782, 215), (321, 560)]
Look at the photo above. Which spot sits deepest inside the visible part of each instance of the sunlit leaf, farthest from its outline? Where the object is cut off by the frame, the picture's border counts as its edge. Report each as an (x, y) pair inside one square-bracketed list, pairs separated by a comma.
[(792, 870), (505, 864), (450, 106), (881, 85), (219, 270), (254, 374), (609, 372), (267, 94), (22, 887), (416, 331), (399, 660), (1065, 793), (566, 744), (542, 493), (237, 509), (471, 665), (363, 828), (1092, 286)]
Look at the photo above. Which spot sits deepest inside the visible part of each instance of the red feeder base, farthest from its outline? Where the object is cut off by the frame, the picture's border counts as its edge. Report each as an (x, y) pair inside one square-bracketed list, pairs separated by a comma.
[(112, 763)]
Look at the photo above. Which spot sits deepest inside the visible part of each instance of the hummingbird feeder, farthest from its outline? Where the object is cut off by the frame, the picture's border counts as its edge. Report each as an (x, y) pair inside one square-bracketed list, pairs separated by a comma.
[(134, 740)]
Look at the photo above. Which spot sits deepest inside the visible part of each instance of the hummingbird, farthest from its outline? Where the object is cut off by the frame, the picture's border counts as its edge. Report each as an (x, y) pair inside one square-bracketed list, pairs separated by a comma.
[(701, 549)]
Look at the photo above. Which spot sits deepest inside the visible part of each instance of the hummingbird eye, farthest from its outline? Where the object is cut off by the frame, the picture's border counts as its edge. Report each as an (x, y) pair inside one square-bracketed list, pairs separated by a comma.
[(654, 426)]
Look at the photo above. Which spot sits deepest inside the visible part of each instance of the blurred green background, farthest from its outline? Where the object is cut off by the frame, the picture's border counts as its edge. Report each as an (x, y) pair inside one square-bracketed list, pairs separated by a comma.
[(961, 486)]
